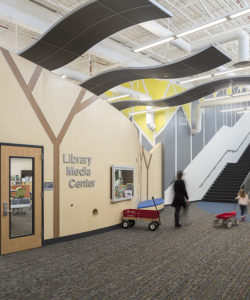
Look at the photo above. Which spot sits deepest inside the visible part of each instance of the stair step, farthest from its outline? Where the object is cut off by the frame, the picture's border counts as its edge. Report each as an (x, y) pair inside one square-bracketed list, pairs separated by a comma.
[(223, 193), (227, 184)]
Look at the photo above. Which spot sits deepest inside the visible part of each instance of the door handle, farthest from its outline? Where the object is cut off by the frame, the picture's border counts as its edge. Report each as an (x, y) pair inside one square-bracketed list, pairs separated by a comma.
[(5, 209)]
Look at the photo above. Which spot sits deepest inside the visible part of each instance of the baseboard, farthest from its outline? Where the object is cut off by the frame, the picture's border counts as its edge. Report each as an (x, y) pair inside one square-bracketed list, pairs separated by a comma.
[(80, 235)]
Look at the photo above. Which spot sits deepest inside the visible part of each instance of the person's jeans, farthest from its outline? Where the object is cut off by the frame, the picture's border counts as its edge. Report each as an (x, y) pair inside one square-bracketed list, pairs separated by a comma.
[(243, 209)]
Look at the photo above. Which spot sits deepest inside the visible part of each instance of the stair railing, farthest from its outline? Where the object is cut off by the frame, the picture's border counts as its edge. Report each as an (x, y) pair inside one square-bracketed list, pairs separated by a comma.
[(221, 158), (246, 184)]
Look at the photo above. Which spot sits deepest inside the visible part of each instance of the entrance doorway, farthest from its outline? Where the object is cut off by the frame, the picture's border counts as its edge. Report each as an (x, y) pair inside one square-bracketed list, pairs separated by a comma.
[(21, 198)]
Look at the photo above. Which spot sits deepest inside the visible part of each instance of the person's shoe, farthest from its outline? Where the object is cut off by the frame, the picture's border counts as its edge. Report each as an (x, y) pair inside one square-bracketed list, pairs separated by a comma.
[(177, 225), (242, 218)]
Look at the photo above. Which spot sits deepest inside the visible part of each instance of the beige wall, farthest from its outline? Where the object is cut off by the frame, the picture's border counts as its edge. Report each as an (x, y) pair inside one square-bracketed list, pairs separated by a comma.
[(19, 125), (104, 134), (99, 131)]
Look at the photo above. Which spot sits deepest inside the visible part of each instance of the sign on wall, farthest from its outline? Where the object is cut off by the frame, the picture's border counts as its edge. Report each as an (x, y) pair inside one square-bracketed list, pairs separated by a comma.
[(78, 166), (48, 186)]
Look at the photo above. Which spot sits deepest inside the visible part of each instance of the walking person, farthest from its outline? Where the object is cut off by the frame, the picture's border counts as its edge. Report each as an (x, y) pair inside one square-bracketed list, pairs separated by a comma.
[(180, 197), (242, 201)]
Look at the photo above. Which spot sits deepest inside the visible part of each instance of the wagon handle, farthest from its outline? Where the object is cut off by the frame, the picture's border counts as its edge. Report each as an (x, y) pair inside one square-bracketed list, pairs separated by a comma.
[(153, 198)]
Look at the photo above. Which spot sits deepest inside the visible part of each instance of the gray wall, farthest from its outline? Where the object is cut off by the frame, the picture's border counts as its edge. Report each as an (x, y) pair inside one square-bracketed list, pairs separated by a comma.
[(167, 138), (197, 139), (178, 142), (183, 140), (145, 143)]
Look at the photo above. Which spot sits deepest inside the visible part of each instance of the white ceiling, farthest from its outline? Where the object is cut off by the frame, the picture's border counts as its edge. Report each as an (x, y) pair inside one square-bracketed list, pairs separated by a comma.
[(23, 21)]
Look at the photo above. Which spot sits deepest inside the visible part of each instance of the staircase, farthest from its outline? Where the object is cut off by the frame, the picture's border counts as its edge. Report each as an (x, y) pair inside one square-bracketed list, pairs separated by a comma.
[(227, 184)]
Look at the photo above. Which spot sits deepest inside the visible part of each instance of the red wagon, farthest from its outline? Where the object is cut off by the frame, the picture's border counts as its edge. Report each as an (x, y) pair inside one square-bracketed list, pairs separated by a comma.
[(227, 219), (130, 215)]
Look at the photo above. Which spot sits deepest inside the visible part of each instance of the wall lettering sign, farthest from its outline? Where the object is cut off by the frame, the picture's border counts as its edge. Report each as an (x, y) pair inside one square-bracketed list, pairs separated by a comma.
[(78, 166)]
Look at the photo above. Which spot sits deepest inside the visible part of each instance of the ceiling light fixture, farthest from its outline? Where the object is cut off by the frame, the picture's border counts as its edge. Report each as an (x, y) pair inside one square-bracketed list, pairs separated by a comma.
[(201, 27), (159, 42), (240, 13), (230, 71), (118, 97), (64, 76), (205, 26), (194, 79), (213, 75)]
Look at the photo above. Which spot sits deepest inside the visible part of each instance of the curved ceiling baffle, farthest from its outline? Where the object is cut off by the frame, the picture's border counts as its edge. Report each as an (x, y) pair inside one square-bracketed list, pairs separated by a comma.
[(202, 61), (187, 96), (86, 26)]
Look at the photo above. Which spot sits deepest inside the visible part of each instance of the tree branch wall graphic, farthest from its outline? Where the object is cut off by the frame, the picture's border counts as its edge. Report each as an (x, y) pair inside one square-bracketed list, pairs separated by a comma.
[(78, 106), (147, 164)]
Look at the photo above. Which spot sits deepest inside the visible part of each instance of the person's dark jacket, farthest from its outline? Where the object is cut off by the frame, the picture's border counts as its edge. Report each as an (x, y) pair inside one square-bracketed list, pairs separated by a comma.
[(180, 193)]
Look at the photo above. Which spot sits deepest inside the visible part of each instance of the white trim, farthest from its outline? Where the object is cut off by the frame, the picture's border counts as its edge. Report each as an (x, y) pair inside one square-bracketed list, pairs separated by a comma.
[(189, 124)]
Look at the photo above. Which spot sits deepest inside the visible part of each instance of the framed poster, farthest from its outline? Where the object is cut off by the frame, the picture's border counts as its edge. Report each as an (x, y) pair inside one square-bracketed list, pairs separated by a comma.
[(122, 183)]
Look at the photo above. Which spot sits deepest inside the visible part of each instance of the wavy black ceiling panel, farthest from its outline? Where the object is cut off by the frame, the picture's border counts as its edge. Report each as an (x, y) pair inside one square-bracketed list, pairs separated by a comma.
[(190, 95), (205, 60), (86, 26)]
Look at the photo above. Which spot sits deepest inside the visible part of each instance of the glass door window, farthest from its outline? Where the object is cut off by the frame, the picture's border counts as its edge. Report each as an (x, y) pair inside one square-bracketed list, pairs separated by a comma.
[(21, 196)]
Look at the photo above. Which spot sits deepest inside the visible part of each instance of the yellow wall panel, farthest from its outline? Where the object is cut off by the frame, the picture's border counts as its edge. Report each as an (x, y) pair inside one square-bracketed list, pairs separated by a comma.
[(156, 88)]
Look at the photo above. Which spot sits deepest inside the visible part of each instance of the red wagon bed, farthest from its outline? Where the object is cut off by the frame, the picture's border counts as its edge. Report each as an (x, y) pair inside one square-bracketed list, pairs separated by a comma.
[(130, 215), (141, 214), (226, 219), (227, 215)]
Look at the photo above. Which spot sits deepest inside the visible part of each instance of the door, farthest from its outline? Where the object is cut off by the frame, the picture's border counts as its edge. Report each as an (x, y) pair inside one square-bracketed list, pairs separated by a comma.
[(21, 198)]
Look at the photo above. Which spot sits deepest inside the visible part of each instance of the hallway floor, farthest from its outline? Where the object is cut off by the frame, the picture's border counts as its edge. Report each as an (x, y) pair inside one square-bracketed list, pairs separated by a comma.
[(196, 261)]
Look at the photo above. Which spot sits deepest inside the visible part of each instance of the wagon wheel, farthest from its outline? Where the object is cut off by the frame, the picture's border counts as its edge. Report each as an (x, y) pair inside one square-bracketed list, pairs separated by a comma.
[(152, 226), (157, 224), (131, 223), (125, 224), (216, 222), (236, 222), (229, 225)]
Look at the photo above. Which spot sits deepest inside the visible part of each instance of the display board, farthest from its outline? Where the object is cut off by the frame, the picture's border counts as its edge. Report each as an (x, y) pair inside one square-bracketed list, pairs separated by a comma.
[(122, 183)]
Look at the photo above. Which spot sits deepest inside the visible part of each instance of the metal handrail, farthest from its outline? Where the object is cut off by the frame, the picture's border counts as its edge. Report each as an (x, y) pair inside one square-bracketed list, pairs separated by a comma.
[(245, 180), (222, 158)]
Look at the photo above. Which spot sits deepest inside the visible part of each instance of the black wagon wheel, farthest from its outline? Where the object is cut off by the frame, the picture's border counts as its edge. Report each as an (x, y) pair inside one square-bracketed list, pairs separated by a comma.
[(157, 224), (125, 224), (152, 226), (131, 223)]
